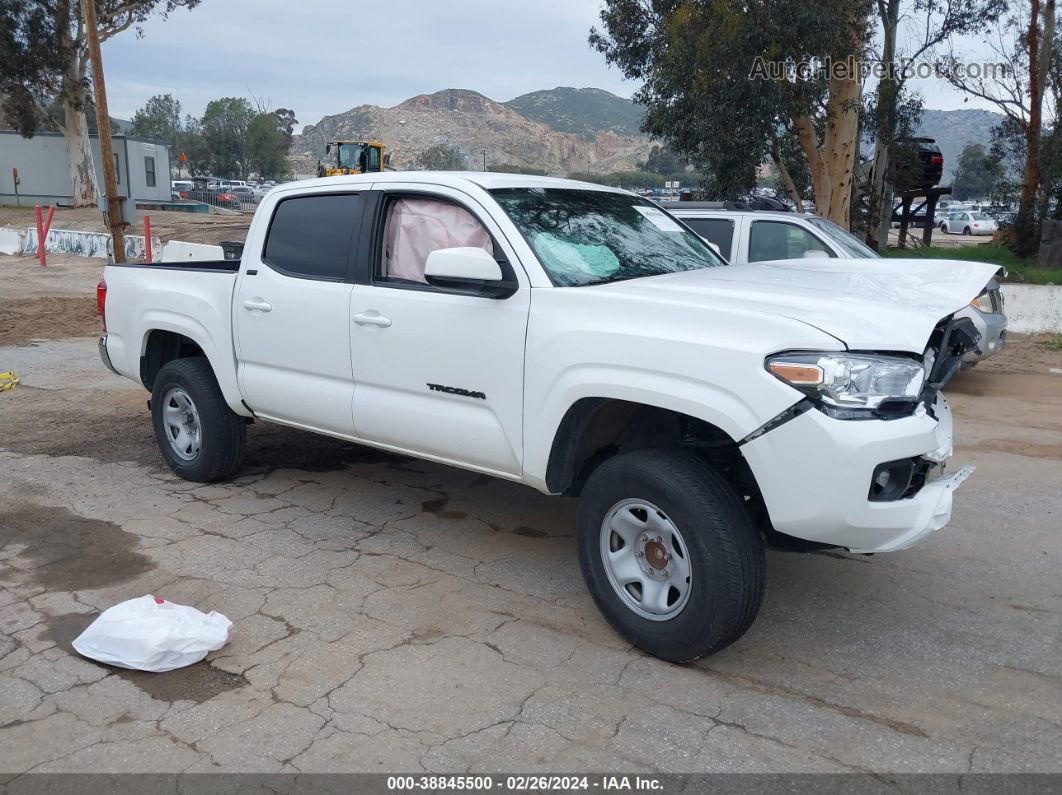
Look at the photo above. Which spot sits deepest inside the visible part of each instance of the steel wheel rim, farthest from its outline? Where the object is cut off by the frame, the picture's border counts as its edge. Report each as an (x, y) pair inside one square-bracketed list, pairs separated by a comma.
[(180, 419), (646, 559)]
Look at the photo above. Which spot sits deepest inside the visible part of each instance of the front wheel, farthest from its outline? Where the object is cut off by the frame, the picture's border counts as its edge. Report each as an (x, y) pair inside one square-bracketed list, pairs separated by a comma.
[(199, 436), (669, 553)]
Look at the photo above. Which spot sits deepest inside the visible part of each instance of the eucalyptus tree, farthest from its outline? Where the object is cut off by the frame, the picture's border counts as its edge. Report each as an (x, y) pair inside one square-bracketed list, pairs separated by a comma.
[(722, 79)]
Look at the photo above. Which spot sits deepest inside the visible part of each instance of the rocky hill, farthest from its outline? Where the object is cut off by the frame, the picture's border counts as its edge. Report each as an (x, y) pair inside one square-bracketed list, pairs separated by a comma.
[(472, 122), (560, 130), (580, 110)]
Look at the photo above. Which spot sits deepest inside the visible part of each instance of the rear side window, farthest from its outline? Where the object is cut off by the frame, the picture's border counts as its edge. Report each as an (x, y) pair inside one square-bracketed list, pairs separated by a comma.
[(310, 236), (715, 230)]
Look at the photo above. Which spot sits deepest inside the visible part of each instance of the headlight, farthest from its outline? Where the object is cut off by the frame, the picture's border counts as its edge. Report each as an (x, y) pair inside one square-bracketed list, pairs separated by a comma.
[(850, 380)]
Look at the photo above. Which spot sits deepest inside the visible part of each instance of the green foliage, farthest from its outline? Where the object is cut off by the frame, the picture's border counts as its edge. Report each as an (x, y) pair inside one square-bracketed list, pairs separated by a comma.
[(159, 119), (662, 160), (442, 157), (512, 168), (695, 62), (580, 110), (231, 140), (631, 180), (976, 175), (42, 43), (268, 143), (1019, 269), (225, 125)]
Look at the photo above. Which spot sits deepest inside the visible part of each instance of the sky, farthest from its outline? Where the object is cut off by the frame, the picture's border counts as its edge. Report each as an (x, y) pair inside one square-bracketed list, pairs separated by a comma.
[(323, 57)]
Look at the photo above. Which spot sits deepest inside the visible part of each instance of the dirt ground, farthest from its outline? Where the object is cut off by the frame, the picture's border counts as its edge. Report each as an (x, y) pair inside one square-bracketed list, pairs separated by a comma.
[(166, 225)]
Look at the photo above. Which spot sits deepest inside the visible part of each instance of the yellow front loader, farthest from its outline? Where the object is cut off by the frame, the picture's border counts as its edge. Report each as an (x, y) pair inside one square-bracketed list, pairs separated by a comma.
[(352, 157)]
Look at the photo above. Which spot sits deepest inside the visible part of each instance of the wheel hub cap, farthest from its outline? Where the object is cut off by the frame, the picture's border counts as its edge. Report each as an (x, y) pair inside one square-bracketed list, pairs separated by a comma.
[(656, 555), (646, 559), (181, 421)]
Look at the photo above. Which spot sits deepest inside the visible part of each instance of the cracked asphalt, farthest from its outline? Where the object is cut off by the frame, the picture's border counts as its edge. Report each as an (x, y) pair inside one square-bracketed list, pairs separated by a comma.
[(395, 615)]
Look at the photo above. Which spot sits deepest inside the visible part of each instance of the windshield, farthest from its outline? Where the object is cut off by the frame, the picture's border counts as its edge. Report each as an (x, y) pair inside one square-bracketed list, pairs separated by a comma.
[(843, 238), (592, 237), (349, 155)]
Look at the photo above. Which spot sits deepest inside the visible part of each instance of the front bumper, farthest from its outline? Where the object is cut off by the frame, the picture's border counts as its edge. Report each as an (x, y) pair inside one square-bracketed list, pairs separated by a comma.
[(814, 473)]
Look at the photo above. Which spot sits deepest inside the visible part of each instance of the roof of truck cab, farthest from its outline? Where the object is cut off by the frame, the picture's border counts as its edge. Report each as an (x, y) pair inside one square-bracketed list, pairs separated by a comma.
[(488, 180)]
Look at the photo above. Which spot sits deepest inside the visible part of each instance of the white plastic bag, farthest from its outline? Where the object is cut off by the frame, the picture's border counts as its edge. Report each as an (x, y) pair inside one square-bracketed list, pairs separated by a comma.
[(151, 634)]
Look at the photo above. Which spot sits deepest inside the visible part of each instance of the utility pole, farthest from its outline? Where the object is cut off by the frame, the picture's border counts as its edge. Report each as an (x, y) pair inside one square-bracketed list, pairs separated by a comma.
[(484, 159), (103, 125)]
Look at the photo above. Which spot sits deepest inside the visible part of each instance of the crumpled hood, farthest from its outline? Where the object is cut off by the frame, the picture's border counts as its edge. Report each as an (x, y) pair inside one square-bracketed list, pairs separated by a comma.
[(868, 304)]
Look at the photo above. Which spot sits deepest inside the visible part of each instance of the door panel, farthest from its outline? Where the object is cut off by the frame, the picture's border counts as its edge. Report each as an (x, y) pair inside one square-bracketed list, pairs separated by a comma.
[(291, 313), (438, 372), (295, 358)]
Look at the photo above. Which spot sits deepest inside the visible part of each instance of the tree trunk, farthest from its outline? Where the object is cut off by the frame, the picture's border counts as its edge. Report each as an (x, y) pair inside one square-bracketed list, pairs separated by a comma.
[(1026, 240), (74, 92), (820, 178), (881, 191), (832, 163), (787, 179), (840, 144)]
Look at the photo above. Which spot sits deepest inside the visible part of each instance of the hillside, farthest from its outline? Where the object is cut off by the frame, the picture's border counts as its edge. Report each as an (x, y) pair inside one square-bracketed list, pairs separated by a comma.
[(580, 110), (472, 122)]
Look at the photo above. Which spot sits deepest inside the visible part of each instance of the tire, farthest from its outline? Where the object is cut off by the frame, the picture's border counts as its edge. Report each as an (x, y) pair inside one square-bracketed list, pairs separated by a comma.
[(724, 553), (212, 447), (967, 231)]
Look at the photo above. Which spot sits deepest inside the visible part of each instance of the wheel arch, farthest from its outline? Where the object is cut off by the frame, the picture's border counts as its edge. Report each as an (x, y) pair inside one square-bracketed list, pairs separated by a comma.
[(595, 429), (162, 344)]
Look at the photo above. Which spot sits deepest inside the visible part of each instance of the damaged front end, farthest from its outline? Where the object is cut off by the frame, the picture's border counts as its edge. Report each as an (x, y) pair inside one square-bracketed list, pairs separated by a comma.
[(869, 478)]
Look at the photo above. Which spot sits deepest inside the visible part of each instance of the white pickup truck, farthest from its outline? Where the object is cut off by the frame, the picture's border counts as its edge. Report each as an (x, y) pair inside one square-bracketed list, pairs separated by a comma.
[(579, 340)]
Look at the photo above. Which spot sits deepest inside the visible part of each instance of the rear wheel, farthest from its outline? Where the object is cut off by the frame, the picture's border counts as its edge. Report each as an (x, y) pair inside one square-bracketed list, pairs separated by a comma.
[(967, 231), (200, 437), (669, 553)]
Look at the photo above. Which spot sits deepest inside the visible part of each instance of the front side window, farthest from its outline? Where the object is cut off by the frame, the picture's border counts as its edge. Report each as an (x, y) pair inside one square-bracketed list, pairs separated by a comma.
[(771, 240), (416, 226), (310, 236), (586, 237), (149, 171)]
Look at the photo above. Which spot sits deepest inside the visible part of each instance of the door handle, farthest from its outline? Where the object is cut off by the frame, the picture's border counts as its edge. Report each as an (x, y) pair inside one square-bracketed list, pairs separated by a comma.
[(372, 320), (257, 303)]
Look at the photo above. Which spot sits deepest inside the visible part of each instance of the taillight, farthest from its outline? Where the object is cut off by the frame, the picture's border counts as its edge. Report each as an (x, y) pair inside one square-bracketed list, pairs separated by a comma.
[(937, 160), (101, 302)]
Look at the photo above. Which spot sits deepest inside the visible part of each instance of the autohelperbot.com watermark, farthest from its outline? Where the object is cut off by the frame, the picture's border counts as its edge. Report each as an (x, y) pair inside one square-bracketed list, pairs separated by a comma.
[(792, 70)]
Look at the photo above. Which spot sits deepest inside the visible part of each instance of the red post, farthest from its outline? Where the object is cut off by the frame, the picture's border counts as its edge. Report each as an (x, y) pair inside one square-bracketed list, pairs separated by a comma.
[(147, 239), (42, 233)]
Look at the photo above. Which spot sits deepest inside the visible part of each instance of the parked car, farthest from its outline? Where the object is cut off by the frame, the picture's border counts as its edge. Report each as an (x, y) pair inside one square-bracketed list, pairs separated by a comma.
[(244, 195), (180, 188), (969, 223), (744, 236), (576, 339)]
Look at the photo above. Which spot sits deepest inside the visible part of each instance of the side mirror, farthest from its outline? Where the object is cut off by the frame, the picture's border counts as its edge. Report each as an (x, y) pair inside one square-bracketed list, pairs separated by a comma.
[(815, 253), (468, 269), (713, 246), (328, 148)]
